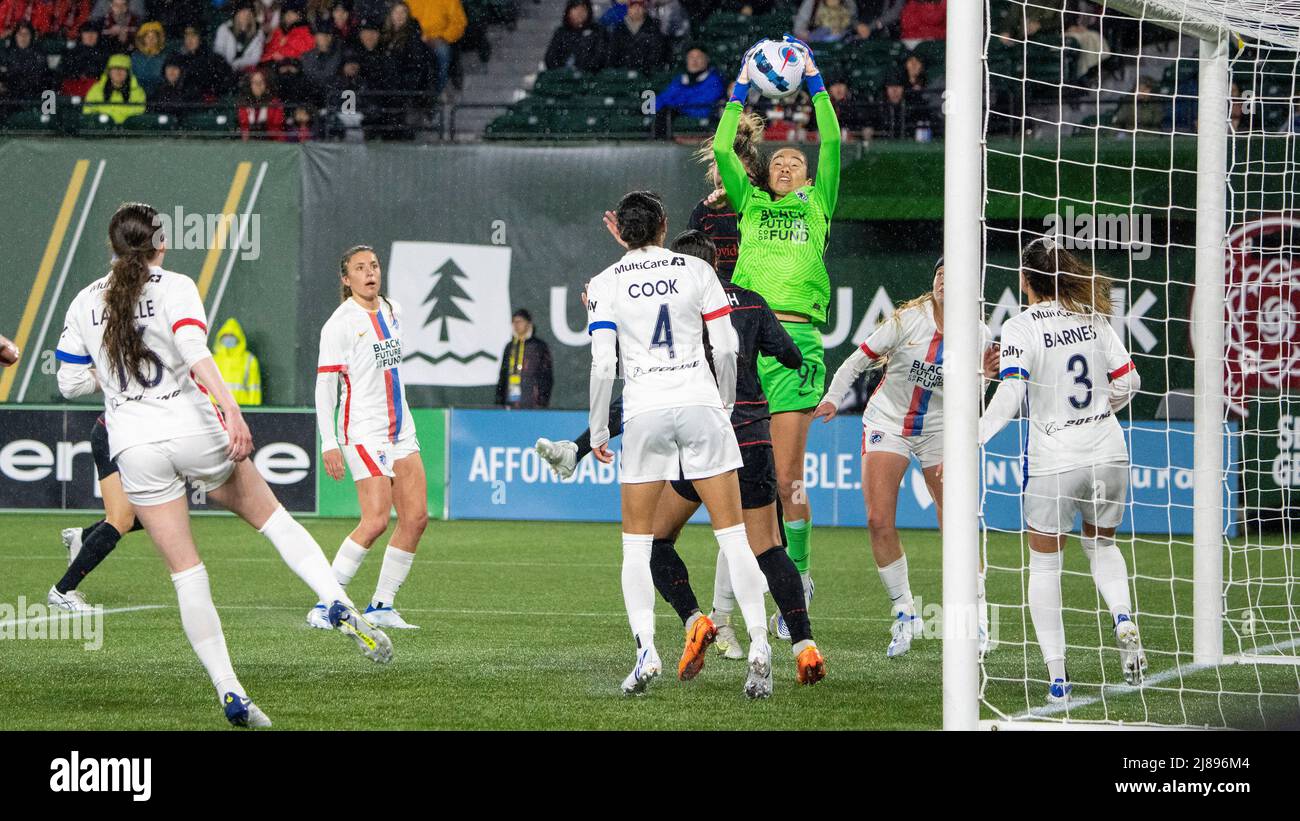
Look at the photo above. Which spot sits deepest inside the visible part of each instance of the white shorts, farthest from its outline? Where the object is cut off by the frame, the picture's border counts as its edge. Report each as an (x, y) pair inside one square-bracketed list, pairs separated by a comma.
[(927, 447), (156, 472), (369, 460), (1099, 493), (694, 442)]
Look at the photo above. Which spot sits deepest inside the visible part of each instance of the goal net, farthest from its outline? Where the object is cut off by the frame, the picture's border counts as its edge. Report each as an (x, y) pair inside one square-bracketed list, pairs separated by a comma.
[(1158, 141)]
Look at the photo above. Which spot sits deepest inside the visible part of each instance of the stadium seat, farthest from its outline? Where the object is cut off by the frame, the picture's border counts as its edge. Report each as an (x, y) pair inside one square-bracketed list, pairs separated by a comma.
[(216, 120), (152, 122), (32, 121)]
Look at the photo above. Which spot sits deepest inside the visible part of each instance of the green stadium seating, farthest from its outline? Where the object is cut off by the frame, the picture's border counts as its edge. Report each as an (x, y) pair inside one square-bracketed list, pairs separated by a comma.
[(152, 122), (214, 120), (33, 121), (97, 124)]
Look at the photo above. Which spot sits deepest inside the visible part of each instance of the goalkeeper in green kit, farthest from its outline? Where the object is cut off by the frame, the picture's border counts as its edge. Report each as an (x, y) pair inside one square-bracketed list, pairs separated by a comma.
[(784, 228)]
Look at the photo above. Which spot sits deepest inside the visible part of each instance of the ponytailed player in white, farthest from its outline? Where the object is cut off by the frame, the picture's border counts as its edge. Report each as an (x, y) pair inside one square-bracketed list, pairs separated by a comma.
[(904, 418), (140, 335), (650, 310), (359, 388), (1063, 357)]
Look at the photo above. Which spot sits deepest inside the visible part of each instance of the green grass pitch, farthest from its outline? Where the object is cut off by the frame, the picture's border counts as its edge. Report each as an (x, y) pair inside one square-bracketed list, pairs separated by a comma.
[(523, 628)]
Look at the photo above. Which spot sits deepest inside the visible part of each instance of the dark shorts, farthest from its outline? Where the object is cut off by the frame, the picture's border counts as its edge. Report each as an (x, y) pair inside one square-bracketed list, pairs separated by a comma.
[(104, 465), (757, 479)]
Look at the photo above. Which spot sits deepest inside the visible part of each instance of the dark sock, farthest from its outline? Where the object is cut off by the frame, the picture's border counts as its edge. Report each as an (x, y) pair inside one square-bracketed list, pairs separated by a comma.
[(584, 446), (671, 579), (86, 531), (787, 591), (93, 550), (615, 429)]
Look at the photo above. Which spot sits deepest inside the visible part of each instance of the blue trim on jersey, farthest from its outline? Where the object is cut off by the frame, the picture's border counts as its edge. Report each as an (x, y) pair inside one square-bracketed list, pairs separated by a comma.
[(601, 325), (1014, 373), (64, 356), (918, 421), (397, 380)]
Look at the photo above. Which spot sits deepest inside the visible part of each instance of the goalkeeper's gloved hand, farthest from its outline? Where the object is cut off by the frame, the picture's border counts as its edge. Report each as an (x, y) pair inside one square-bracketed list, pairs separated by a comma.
[(812, 75), (741, 92)]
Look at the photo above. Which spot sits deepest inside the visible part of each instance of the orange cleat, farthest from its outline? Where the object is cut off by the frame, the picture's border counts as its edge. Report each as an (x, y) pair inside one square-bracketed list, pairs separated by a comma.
[(812, 667), (698, 639)]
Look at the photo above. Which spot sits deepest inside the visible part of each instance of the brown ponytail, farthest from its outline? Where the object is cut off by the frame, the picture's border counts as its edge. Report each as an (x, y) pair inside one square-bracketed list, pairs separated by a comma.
[(749, 133), (1055, 273), (135, 238)]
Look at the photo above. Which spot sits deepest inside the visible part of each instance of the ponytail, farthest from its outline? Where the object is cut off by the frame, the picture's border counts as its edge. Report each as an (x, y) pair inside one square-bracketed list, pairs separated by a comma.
[(135, 239), (1052, 272)]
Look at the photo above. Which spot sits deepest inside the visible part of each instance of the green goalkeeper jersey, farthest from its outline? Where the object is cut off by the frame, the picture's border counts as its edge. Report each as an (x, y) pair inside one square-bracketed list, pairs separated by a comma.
[(782, 241)]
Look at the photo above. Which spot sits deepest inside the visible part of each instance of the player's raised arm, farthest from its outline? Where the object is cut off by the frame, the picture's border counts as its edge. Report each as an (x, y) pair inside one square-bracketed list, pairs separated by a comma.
[(730, 169), (826, 186), (603, 328)]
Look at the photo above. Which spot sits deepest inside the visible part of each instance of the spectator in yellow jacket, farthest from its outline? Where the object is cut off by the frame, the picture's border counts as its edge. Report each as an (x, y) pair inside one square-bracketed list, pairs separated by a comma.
[(239, 368), (117, 93), (443, 23)]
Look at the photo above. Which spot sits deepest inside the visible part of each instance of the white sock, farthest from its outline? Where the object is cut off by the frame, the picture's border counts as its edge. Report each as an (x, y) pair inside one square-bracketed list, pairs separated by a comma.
[(724, 600), (397, 563), (894, 577), (1045, 609), (304, 557), (639, 587), (203, 628), (348, 561), (746, 579), (1109, 573)]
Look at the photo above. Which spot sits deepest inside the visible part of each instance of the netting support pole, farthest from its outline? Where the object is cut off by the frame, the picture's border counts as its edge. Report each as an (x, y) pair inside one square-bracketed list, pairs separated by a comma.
[(1207, 336), (963, 273)]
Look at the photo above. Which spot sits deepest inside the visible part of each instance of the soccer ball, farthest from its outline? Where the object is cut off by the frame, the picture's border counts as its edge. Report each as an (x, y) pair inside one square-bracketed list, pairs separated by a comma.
[(775, 68)]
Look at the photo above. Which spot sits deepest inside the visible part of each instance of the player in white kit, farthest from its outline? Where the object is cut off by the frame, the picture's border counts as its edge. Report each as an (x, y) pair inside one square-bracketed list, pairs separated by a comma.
[(649, 310), (904, 418), (140, 335), (361, 352), (1063, 357)]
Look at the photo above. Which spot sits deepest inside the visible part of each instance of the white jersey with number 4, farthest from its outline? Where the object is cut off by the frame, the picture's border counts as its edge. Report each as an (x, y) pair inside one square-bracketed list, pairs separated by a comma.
[(1068, 362), (657, 302), (170, 404), (365, 349)]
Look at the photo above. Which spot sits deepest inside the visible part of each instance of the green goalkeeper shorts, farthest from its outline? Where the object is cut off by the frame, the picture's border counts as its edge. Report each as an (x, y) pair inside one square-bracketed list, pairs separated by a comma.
[(801, 389)]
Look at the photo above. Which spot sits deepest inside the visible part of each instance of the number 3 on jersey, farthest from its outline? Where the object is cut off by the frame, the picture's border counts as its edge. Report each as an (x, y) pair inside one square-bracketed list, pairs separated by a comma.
[(1079, 363), (663, 333)]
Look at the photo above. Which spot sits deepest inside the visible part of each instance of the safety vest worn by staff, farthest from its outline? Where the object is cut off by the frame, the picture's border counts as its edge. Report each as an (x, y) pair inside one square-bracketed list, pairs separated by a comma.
[(239, 368)]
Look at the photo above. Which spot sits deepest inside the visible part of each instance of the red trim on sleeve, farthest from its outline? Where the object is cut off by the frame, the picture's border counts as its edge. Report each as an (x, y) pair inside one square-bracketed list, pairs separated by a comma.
[(347, 404), (1120, 371), (863, 347), (330, 369), (723, 311), (367, 461), (181, 323)]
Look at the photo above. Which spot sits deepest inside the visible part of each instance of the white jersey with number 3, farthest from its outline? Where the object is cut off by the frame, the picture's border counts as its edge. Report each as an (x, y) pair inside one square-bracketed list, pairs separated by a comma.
[(1068, 361), (657, 302), (170, 404)]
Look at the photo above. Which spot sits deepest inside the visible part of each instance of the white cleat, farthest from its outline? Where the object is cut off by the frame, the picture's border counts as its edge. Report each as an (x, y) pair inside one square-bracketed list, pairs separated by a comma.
[(385, 616), (758, 683), (72, 601), (726, 643), (1059, 691), (906, 627), (648, 667), (1132, 659), (562, 456), (319, 617), (373, 642), (72, 541)]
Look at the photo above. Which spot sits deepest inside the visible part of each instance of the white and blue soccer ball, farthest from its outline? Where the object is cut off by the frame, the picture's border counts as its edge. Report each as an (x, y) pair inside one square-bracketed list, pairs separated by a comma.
[(775, 68)]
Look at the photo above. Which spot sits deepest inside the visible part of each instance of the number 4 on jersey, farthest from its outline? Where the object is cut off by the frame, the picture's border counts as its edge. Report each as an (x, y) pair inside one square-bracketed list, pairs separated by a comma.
[(663, 333)]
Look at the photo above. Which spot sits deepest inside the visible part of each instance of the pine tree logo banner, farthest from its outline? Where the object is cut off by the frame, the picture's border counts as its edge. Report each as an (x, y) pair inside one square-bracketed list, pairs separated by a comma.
[(456, 303)]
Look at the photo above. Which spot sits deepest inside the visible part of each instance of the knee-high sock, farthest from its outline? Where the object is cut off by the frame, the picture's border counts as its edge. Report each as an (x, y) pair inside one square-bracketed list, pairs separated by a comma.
[(304, 557), (1109, 573), (672, 579), (638, 587), (787, 591), (397, 564), (746, 579), (798, 534), (203, 628), (1045, 609), (348, 561), (103, 538), (894, 577), (724, 599)]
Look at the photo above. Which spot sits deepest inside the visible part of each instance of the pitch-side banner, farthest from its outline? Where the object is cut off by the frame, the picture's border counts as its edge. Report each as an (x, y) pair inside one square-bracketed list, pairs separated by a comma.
[(495, 474), (46, 463)]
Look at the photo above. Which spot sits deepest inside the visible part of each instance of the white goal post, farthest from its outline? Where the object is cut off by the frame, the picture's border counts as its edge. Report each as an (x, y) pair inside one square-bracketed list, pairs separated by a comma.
[(1010, 118)]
